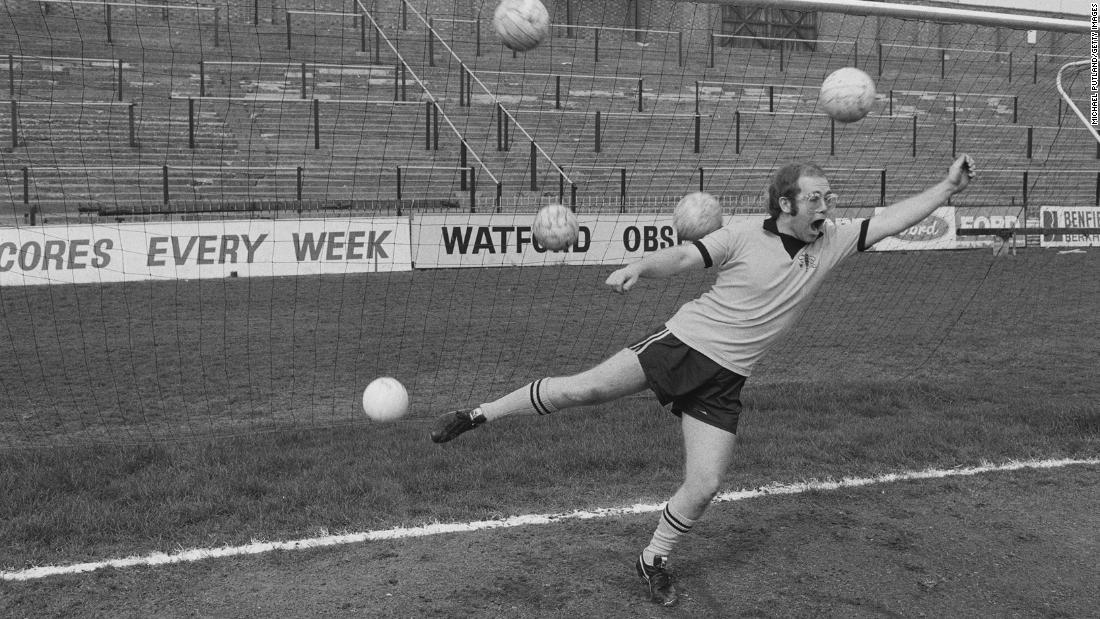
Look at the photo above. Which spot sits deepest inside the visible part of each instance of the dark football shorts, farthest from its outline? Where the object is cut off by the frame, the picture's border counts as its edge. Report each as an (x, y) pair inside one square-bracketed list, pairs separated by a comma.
[(689, 380)]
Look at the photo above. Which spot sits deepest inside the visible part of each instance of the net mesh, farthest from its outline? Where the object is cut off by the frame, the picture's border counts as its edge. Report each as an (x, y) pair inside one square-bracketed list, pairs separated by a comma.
[(130, 113)]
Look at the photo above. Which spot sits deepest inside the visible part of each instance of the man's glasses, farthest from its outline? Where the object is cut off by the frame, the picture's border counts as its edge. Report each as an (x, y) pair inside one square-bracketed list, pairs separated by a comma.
[(817, 197)]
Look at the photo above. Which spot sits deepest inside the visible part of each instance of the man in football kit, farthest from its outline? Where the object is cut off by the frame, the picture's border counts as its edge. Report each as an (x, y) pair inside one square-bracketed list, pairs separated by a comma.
[(766, 275)]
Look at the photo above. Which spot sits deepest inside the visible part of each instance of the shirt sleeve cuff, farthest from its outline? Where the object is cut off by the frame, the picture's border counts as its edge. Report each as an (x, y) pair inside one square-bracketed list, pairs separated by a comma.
[(862, 244), (707, 262)]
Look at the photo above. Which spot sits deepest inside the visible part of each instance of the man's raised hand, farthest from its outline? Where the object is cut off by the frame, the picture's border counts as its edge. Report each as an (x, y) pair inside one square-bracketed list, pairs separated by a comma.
[(962, 170)]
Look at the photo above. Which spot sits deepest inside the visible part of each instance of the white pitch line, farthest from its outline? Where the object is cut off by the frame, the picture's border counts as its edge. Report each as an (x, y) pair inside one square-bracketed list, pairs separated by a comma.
[(196, 554)]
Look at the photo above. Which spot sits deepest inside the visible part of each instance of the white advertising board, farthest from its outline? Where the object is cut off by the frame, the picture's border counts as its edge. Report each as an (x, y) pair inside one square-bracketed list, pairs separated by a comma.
[(986, 217), (937, 231), (473, 240), (96, 253), (1070, 217)]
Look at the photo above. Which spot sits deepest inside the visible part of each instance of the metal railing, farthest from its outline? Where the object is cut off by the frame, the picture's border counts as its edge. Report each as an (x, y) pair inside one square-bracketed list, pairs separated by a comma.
[(108, 8), (116, 65), (467, 73), (465, 147)]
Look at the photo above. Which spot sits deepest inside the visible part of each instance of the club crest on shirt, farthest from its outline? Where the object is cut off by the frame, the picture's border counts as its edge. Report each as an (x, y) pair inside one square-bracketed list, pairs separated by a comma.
[(806, 261)]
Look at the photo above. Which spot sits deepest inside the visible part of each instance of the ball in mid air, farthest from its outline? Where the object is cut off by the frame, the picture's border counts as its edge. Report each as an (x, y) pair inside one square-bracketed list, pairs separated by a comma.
[(696, 215), (847, 94), (521, 24), (385, 399), (555, 227)]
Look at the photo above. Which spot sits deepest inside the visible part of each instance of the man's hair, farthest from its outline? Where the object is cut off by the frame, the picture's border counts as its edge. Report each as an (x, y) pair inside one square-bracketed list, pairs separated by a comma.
[(784, 184)]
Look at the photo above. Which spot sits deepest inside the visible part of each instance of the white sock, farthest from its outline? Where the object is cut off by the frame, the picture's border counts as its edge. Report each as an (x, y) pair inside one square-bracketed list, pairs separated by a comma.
[(531, 399), (670, 528)]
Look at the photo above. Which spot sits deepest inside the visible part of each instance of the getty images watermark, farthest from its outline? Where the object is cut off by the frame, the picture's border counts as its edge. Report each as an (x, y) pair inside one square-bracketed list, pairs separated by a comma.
[(1094, 49)]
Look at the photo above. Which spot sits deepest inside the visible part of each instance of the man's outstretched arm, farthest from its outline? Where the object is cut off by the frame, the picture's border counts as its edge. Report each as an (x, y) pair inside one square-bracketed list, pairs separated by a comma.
[(902, 215), (664, 263)]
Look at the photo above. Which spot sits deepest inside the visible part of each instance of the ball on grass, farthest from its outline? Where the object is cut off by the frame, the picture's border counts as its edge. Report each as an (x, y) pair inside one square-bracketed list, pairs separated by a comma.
[(385, 399), (696, 215), (847, 94), (521, 24), (555, 227)]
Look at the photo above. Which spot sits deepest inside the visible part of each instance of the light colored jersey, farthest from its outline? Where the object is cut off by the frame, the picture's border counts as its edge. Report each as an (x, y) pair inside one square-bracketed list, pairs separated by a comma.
[(760, 291)]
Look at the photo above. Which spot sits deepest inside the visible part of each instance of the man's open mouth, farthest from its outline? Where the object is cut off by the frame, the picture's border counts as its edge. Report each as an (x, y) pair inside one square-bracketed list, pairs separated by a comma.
[(818, 224)]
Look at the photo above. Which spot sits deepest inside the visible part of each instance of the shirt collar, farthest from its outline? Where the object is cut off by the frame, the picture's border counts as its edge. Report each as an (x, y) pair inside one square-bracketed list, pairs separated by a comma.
[(790, 243)]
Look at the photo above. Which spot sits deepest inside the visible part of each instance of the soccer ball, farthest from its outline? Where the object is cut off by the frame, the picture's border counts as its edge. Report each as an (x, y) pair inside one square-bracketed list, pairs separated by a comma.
[(847, 94), (385, 399), (696, 215), (521, 24), (555, 227)]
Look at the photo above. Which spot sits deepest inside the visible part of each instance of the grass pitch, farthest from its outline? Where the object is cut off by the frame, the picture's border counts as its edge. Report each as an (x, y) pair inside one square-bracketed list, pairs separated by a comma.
[(158, 416)]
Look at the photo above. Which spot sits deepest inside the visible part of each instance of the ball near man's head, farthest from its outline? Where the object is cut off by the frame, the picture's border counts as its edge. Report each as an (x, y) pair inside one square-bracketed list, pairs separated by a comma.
[(847, 94), (696, 215)]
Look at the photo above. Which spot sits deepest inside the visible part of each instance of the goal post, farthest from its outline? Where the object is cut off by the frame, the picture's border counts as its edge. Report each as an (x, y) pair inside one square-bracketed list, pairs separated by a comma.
[(1063, 90)]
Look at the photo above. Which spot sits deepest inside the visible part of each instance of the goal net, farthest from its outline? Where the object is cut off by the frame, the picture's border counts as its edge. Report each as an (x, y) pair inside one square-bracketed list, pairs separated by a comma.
[(225, 218)]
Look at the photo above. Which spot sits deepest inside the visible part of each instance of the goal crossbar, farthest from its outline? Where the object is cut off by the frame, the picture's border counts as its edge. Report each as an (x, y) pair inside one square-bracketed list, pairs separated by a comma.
[(929, 13)]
